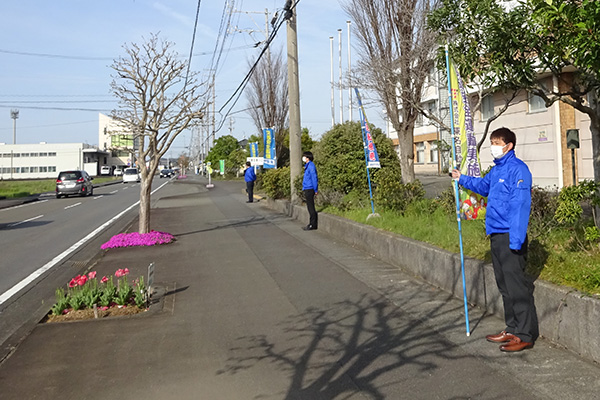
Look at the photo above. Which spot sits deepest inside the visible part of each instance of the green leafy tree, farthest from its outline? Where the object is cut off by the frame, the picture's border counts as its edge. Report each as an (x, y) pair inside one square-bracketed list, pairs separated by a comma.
[(511, 47), (340, 159), (221, 150)]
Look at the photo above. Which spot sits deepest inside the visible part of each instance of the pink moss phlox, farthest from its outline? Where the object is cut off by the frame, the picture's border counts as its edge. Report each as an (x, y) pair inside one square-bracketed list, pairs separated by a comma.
[(138, 239)]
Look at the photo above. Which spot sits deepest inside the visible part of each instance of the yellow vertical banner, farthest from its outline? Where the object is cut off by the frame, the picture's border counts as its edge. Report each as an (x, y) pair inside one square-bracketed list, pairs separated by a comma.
[(472, 205)]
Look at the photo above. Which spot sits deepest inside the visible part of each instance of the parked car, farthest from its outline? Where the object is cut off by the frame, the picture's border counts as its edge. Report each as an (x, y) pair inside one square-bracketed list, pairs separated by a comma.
[(118, 171), (105, 170), (166, 173), (74, 182), (131, 175)]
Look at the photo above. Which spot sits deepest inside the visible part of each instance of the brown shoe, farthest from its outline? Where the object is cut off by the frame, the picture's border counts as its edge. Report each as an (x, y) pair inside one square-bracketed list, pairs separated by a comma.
[(501, 337), (516, 344)]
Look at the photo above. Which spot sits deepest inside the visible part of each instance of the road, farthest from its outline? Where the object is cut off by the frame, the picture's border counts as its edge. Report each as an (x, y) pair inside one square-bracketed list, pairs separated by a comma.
[(37, 238)]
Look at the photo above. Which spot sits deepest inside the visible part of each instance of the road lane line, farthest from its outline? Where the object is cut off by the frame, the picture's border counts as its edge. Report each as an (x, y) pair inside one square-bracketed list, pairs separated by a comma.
[(34, 275), (27, 220), (72, 205), (99, 197), (114, 191), (24, 205)]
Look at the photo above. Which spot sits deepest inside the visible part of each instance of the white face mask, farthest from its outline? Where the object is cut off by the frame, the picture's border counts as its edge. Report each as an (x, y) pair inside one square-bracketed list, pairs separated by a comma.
[(304, 160), (497, 151)]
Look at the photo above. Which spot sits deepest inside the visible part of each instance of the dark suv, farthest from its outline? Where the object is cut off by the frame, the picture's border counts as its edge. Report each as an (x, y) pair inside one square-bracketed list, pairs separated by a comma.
[(74, 182)]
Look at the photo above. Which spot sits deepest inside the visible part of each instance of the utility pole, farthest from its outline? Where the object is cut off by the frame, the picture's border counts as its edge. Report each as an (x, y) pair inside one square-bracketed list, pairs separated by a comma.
[(294, 97), (14, 114)]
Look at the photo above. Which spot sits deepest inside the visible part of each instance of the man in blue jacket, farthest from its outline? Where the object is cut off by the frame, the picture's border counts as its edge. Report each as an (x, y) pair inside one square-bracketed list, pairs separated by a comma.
[(508, 187), (310, 187), (249, 177)]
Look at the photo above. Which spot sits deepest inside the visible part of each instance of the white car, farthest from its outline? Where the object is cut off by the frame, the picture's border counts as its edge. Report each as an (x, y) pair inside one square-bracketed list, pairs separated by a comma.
[(118, 171), (131, 175), (105, 170)]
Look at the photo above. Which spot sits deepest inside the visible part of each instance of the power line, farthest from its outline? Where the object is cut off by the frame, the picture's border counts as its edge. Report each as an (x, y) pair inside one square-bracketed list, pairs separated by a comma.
[(246, 79), (84, 58), (59, 108), (46, 126), (192, 45)]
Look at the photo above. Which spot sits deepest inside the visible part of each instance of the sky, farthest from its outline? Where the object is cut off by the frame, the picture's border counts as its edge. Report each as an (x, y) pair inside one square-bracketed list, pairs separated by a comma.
[(55, 59)]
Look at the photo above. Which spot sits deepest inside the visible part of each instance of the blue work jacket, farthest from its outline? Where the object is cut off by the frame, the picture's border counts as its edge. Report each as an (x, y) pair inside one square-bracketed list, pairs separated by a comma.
[(249, 175), (310, 180), (508, 188)]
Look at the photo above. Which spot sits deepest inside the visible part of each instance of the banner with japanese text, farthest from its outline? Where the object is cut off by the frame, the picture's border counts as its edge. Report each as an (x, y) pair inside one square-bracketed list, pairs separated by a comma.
[(371, 155), (253, 149), (270, 156), (472, 205)]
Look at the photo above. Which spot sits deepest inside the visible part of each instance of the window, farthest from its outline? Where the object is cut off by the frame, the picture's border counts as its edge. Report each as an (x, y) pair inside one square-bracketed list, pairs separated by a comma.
[(44, 154), (34, 169), (487, 107), (421, 153), (6, 155), (536, 103), (43, 169), (24, 154), (33, 154), (16, 155), (16, 170), (51, 154), (5, 170), (433, 152), (51, 169)]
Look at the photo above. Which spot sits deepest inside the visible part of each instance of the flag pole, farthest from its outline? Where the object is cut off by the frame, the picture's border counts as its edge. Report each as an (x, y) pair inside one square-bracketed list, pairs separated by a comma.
[(457, 198), (364, 118)]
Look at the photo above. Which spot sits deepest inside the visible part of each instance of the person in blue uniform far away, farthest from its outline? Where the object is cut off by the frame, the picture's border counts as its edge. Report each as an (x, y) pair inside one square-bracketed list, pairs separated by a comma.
[(508, 188), (249, 177), (310, 187)]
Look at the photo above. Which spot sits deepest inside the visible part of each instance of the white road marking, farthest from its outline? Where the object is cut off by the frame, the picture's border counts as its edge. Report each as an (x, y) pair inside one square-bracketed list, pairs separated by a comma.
[(99, 197), (34, 275), (27, 220), (24, 205), (114, 191), (72, 205)]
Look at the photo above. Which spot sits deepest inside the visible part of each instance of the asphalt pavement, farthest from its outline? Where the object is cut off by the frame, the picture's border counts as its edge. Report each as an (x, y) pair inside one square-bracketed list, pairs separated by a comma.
[(250, 306)]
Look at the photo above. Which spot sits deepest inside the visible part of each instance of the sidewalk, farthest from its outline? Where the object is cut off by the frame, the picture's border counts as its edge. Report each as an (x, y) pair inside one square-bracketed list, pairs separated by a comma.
[(254, 307)]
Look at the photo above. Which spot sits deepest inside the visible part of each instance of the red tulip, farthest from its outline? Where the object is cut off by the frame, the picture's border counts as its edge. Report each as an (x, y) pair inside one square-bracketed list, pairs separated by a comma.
[(92, 275)]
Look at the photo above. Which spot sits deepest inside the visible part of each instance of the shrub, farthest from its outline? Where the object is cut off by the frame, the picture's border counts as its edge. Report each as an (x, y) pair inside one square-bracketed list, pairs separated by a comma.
[(340, 158), (276, 183), (391, 194)]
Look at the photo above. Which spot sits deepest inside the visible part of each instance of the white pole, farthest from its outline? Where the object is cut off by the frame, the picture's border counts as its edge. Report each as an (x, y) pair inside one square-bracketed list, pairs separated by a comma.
[(349, 76), (332, 88), (340, 78)]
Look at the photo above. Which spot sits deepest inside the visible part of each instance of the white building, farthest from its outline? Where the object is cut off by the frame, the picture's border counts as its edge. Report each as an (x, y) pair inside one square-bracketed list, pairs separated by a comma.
[(46, 160)]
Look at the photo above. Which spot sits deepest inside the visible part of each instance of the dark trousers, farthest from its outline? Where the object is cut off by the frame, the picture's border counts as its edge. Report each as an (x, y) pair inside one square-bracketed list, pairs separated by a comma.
[(515, 287), (250, 191), (309, 194)]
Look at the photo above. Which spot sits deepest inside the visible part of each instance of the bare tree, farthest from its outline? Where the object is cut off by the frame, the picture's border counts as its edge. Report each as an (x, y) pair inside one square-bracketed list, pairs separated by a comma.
[(395, 50), (156, 103), (268, 98)]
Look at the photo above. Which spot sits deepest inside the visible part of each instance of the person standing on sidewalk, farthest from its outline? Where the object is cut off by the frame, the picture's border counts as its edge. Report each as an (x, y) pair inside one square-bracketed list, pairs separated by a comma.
[(508, 187), (249, 177), (310, 186)]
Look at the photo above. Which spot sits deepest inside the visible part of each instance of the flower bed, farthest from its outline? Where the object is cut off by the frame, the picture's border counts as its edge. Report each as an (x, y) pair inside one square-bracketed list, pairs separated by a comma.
[(85, 297), (138, 239)]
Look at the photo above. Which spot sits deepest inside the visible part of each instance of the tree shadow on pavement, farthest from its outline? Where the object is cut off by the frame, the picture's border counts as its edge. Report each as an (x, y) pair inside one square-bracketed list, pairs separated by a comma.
[(367, 346)]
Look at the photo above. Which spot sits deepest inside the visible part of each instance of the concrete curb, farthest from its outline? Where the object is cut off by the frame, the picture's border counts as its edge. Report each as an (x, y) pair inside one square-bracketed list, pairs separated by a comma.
[(566, 317)]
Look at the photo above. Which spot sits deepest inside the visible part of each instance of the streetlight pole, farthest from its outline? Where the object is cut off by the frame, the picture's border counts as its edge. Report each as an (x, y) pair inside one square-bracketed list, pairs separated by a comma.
[(14, 114)]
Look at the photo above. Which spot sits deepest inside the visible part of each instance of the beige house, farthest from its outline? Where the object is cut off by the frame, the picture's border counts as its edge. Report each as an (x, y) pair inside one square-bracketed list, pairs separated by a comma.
[(541, 135), (117, 141)]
